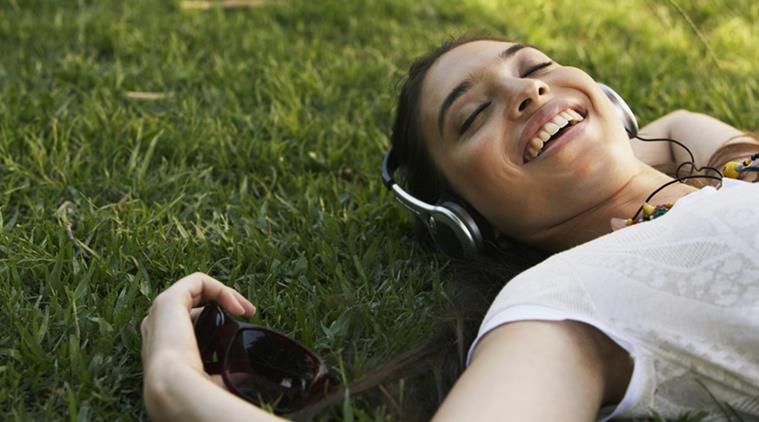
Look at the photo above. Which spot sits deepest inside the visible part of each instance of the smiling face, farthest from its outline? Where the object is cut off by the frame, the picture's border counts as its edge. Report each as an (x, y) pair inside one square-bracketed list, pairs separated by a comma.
[(528, 142)]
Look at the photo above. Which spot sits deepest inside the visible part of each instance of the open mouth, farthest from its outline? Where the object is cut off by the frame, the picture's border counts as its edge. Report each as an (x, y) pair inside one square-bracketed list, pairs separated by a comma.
[(550, 132)]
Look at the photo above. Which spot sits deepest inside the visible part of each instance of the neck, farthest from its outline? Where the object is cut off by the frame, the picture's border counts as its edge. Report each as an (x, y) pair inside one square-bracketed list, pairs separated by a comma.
[(623, 203)]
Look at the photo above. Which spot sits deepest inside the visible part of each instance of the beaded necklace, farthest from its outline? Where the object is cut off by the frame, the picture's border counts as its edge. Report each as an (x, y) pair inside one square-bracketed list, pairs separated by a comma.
[(732, 170), (649, 213)]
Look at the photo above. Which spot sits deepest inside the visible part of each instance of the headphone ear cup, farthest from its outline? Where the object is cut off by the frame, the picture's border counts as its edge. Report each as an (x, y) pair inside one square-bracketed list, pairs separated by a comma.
[(457, 232)]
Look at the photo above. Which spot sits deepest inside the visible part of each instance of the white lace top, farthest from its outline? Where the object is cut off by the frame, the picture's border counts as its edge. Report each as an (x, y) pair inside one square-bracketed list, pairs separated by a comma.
[(679, 293)]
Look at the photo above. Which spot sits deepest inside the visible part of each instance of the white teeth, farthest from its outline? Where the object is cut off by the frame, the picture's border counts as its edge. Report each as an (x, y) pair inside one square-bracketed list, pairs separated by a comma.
[(551, 128), (531, 153), (533, 149), (535, 146), (559, 121)]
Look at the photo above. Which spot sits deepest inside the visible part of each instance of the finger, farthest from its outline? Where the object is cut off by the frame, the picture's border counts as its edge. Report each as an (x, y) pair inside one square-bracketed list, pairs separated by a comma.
[(617, 223), (218, 380), (144, 327), (198, 288), (144, 335), (195, 313), (250, 308)]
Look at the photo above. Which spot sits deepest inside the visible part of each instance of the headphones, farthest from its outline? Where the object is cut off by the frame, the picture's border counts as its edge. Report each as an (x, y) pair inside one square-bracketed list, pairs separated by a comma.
[(455, 227)]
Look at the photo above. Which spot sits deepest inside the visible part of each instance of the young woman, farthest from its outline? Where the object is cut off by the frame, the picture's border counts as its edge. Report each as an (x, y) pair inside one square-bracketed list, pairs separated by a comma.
[(621, 320)]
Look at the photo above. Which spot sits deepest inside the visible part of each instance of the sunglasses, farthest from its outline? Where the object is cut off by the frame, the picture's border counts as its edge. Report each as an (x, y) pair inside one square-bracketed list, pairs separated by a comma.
[(259, 364)]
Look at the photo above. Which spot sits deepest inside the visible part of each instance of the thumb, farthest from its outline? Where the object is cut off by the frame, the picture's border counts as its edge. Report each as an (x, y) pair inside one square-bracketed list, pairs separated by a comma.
[(617, 223)]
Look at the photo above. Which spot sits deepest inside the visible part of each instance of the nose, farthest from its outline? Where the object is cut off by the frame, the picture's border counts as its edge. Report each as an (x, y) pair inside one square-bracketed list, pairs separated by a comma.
[(526, 95)]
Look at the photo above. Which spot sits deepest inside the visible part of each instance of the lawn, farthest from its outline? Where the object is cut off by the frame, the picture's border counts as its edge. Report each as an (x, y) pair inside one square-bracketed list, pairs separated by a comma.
[(142, 140)]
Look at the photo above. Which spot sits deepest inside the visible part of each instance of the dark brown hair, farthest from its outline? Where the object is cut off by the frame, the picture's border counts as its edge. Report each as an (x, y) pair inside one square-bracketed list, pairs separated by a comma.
[(502, 259), (471, 285)]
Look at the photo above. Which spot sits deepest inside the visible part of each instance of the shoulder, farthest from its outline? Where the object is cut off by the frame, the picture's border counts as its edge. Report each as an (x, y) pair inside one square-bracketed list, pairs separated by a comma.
[(585, 342), (558, 349)]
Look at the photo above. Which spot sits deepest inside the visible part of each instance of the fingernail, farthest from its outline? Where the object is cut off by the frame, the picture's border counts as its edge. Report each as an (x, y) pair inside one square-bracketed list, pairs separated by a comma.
[(617, 223)]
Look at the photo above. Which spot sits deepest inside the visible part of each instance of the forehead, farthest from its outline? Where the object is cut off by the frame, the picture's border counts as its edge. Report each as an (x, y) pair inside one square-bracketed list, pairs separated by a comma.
[(456, 65)]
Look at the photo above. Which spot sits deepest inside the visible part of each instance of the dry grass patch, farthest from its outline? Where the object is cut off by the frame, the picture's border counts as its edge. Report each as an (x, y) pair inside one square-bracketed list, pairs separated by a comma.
[(224, 4)]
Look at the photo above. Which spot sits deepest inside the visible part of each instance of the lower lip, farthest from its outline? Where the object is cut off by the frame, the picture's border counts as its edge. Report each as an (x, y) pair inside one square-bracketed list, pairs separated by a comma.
[(567, 136)]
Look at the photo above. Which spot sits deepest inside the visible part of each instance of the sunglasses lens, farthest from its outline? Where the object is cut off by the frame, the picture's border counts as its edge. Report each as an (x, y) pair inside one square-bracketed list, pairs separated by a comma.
[(270, 368)]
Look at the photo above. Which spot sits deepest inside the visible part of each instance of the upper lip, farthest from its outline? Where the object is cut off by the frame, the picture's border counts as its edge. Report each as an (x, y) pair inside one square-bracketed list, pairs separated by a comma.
[(543, 115)]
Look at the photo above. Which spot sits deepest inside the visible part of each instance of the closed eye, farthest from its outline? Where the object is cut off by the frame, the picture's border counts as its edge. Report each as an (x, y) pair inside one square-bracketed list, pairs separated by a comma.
[(535, 68), (470, 119)]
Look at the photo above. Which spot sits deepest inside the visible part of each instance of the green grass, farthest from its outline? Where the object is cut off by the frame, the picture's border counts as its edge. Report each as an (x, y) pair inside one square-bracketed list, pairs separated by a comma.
[(260, 166)]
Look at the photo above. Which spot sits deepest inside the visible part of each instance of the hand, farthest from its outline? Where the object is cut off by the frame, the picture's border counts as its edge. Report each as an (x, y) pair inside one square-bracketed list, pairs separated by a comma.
[(169, 342)]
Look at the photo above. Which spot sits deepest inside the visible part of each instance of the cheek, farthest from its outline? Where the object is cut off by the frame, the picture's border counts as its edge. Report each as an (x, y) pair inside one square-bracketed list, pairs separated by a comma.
[(610, 124), (483, 175), (478, 166)]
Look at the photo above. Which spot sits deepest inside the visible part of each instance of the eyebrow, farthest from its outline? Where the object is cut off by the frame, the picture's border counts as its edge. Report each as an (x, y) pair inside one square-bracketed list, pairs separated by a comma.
[(464, 86)]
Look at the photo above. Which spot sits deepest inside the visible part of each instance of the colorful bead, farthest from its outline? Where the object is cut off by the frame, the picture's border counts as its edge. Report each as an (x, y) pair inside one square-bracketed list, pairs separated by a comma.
[(648, 209), (732, 170), (649, 213)]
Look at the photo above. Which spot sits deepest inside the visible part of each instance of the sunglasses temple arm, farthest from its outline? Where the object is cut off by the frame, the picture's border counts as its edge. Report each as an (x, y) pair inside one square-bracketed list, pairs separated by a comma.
[(322, 387)]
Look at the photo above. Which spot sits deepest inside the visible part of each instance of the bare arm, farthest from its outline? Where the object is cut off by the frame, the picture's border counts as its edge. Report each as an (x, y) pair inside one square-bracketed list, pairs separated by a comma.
[(536, 370), (701, 133)]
